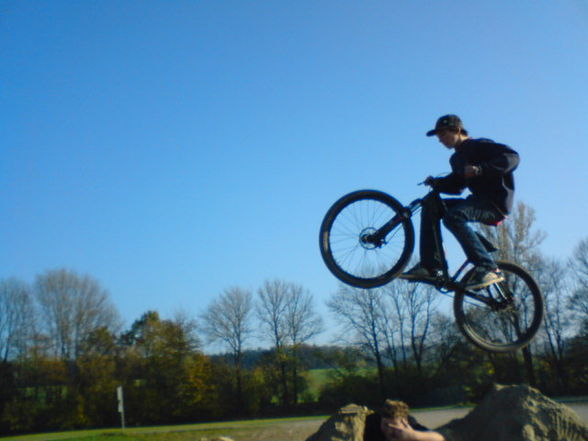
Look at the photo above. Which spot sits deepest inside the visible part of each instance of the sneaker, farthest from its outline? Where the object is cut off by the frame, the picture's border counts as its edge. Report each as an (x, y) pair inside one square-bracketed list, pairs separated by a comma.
[(483, 277), (419, 272)]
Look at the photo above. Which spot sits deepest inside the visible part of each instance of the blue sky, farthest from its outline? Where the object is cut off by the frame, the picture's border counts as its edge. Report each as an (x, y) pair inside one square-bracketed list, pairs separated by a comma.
[(173, 149)]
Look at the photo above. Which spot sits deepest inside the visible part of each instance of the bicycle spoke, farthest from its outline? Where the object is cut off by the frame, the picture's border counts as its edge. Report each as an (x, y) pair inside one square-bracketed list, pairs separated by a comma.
[(502, 316), (345, 233)]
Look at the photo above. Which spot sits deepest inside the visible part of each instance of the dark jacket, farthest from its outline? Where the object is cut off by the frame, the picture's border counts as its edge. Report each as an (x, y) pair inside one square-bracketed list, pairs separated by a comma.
[(495, 183)]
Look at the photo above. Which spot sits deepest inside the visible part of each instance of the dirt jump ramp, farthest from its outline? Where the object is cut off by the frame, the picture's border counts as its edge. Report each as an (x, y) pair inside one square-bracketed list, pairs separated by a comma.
[(517, 413), (507, 413)]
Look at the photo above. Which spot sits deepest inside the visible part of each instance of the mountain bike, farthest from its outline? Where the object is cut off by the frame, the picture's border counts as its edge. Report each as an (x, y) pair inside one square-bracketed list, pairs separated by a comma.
[(367, 239)]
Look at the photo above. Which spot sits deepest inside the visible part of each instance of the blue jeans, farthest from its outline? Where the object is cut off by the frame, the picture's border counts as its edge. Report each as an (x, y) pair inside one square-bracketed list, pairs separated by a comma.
[(456, 213)]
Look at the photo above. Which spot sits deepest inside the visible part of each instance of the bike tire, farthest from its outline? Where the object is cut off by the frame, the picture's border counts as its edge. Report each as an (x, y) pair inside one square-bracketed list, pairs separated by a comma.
[(350, 260), (511, 323)]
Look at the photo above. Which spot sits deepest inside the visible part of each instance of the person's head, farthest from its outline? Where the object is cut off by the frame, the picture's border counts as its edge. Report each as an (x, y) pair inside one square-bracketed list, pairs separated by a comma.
[(449, 130), (393, 414)]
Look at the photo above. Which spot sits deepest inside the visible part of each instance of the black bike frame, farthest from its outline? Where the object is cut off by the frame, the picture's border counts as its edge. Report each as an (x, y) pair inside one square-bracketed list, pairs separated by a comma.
[(446, 283)]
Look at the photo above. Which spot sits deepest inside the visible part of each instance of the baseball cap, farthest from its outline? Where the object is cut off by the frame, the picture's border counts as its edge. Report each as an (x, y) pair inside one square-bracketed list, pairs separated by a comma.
[(447, 122)]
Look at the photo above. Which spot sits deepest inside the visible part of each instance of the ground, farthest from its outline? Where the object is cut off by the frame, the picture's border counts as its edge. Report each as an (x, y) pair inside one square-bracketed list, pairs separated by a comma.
[(300, 430)]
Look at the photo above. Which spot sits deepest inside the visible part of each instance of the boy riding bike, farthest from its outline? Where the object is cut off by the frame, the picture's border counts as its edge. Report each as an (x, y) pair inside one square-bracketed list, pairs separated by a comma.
[(486, 169)]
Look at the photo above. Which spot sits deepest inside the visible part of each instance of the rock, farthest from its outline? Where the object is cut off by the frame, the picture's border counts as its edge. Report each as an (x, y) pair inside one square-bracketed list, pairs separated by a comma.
[(507, 413), (517, 413), (348, 424)]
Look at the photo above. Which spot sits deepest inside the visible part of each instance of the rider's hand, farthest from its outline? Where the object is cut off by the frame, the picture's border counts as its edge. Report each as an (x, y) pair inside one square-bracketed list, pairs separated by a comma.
[(430, 181), (398, 429), (471, 171)]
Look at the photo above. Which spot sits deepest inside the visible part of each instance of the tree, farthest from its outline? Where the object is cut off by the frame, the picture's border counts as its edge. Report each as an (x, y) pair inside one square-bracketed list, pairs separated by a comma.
[(97, 366), (302, 324), (580, 262), (554, 282), (72, 307), (518, 242), (286, 313), (16, 330), (578, 305), (167, 378), (516, 239), (579, 265), (420, 305), (17, 320), (363, 312), (411, 307), (229, 320), (271, 312)]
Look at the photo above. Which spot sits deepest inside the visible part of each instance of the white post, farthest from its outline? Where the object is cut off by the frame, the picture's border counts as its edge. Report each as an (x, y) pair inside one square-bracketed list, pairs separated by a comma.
[(121, 406)]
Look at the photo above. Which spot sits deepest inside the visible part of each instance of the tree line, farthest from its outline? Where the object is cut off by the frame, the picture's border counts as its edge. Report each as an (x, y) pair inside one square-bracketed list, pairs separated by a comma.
[(63, 349), (64, 352)]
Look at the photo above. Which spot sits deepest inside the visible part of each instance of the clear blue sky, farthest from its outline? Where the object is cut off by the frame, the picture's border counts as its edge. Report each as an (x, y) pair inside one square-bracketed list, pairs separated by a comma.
[(173, 149)]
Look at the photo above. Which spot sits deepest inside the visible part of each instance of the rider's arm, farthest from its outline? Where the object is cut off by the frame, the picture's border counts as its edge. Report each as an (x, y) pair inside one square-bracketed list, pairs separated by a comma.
[(402, 431), (450, 184), (499, 159)]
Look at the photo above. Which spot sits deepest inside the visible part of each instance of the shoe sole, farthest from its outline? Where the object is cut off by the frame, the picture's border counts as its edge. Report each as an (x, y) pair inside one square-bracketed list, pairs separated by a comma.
[(408, 277), (485, 284), (411, 278)]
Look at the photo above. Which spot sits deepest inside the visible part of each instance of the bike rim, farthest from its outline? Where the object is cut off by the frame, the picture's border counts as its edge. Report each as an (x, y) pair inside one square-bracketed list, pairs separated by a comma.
[(353, 256), (510, 321)]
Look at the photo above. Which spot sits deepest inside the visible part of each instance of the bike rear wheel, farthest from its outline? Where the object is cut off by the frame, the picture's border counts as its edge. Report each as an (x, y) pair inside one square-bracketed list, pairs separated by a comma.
[(502, 317), (351, 257)]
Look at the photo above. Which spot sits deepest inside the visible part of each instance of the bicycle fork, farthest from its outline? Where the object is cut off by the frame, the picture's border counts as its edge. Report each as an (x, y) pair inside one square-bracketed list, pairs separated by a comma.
[(377, 238)]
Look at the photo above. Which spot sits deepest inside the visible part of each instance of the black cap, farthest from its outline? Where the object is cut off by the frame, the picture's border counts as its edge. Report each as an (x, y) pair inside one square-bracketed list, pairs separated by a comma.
[(447, 122)]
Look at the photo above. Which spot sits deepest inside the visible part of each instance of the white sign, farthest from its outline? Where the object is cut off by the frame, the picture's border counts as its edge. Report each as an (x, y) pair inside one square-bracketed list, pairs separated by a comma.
[(121, 406)]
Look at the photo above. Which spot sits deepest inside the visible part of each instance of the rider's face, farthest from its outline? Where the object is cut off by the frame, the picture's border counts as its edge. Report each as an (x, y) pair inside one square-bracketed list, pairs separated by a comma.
[(448, 138)]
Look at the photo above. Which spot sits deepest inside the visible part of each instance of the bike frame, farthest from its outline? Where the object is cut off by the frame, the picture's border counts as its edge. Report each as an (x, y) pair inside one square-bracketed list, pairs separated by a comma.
[(446, 283)]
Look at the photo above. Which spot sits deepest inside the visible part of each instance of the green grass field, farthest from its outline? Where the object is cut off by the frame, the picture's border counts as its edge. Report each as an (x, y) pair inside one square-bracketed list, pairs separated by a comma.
[(284, 429), (316, 378)]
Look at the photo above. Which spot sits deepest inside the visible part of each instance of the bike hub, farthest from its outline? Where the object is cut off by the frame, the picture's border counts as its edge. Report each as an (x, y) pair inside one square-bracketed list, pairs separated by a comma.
[(368, 240)]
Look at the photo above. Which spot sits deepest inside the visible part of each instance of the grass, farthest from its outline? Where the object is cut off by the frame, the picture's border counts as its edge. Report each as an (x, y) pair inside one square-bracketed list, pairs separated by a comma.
[(316, 378), (284, 429)]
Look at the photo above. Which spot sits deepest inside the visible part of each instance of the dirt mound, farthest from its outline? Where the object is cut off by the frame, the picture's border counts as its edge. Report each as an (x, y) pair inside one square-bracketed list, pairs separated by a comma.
[(348, 424), (517, 413), (507, 413)]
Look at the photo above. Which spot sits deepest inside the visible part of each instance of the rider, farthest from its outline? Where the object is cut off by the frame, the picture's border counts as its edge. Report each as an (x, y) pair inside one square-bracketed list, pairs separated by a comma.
[(486, 169), (397, 424)]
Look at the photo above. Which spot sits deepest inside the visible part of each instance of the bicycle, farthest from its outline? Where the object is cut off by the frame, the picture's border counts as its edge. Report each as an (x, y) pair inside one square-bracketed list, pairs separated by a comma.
[(367, 238)]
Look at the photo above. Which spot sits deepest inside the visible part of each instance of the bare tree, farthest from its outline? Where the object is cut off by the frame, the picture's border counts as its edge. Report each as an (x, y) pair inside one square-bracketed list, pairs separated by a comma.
[(396, 328), (287, 316), (16, 318), (555, 287), (271, 312), (579, 265), (445, 341), (420, 305), (363, 312), (409, 323), (518, 241), (580, 262), (228, 320), (72, 307), (302, 324)]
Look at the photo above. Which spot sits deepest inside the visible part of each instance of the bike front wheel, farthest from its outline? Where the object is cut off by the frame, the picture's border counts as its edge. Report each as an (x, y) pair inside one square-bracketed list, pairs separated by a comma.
[(502, 317), (345, 242)]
